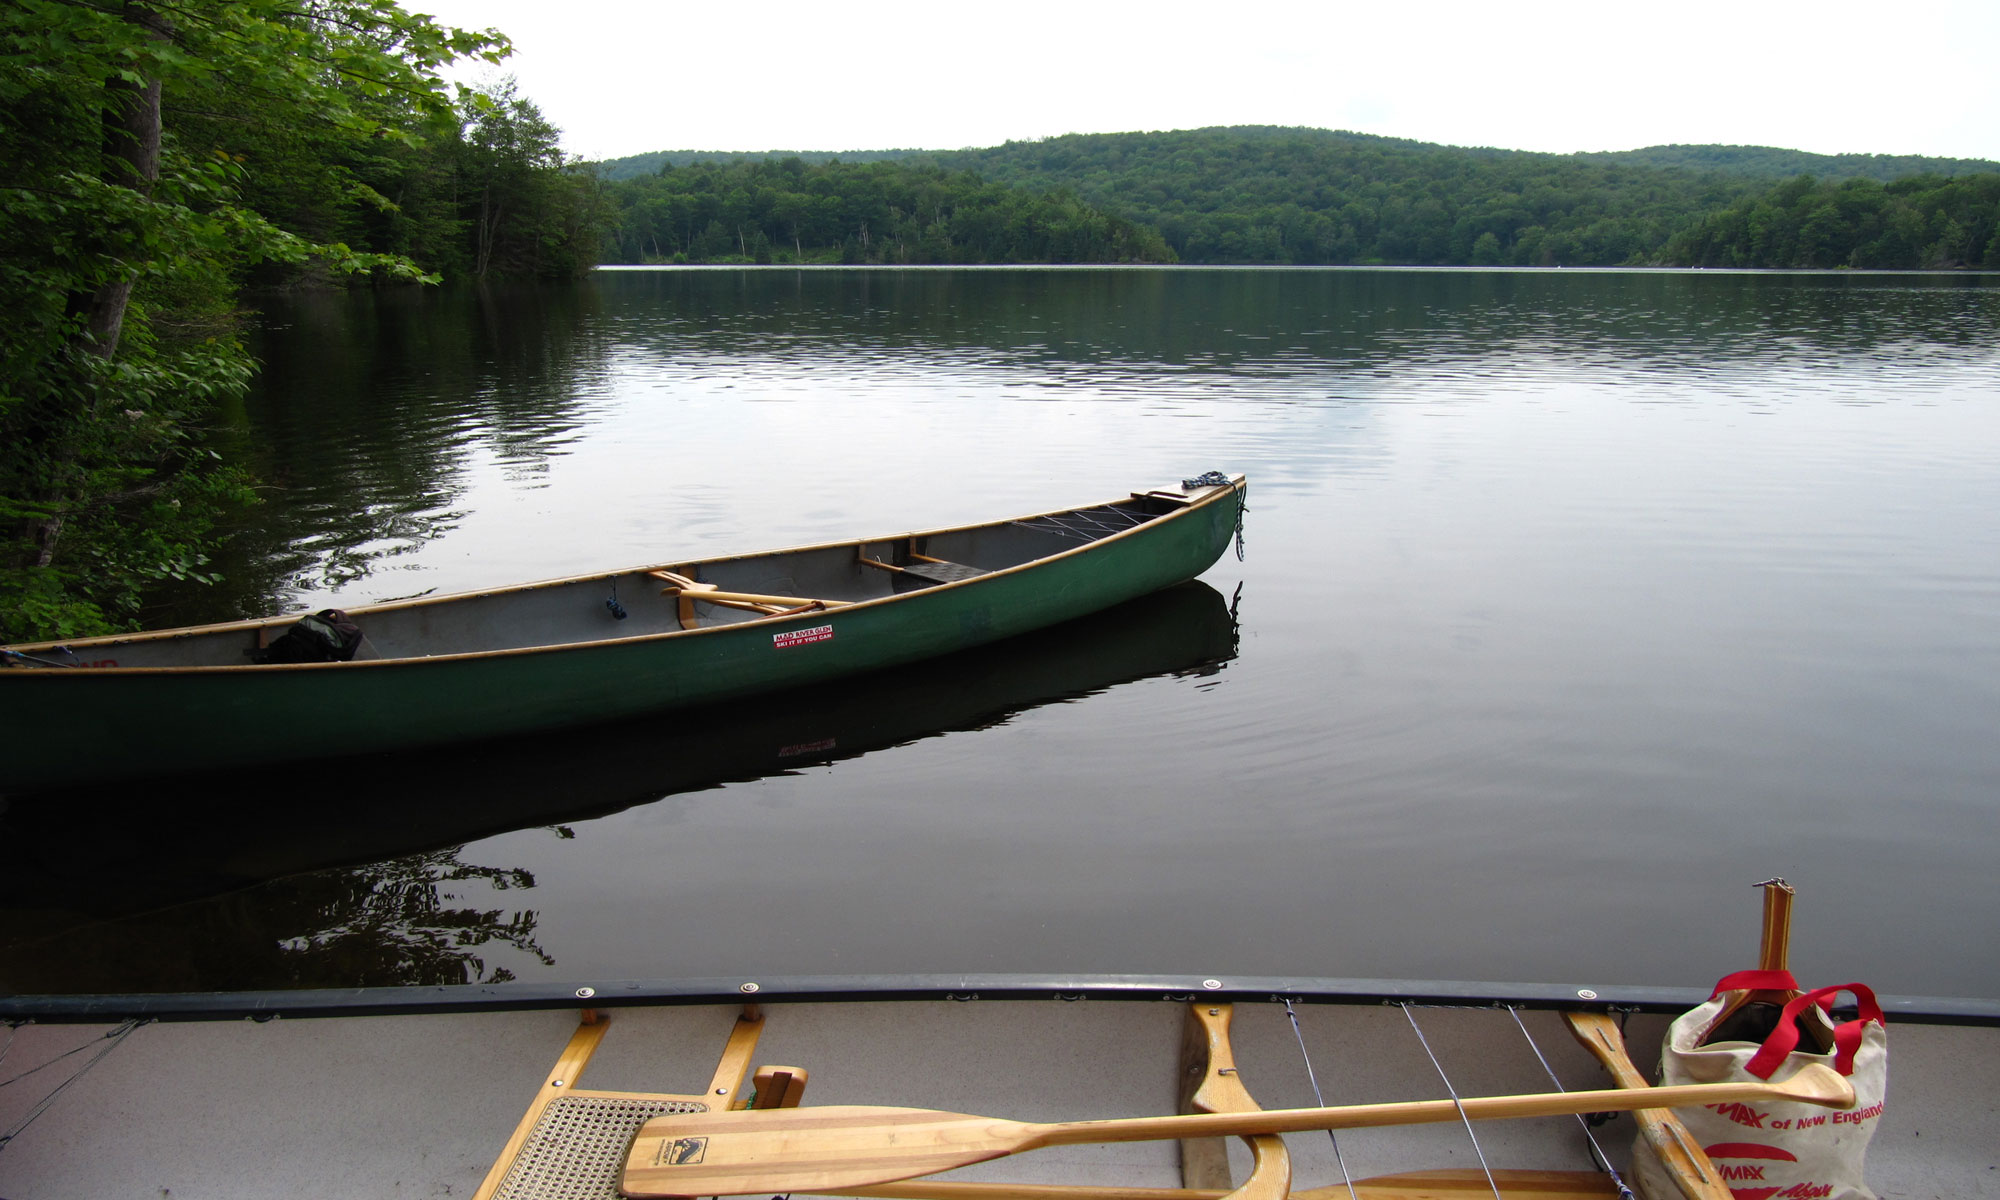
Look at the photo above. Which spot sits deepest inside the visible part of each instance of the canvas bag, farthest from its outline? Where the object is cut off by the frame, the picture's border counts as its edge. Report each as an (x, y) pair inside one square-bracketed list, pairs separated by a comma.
[(1780, 1150)]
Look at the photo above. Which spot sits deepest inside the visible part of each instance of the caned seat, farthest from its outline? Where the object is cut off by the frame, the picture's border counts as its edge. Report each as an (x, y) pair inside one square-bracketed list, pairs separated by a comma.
[(571, 1143)]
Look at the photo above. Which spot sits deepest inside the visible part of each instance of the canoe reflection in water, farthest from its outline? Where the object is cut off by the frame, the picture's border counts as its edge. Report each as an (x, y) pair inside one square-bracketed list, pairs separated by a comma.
[(72, 859)]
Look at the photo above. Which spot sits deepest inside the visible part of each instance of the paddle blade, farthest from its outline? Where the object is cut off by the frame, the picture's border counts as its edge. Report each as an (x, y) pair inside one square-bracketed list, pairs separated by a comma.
[(808, 1149), (1817, 1083)]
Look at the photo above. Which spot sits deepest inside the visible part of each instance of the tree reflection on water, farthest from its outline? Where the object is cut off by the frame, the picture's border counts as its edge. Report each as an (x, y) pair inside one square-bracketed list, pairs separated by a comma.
[(399, 923), (416, 920)]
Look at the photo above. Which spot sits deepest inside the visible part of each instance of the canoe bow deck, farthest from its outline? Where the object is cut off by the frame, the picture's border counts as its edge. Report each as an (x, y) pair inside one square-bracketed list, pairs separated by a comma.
[(558, 653)]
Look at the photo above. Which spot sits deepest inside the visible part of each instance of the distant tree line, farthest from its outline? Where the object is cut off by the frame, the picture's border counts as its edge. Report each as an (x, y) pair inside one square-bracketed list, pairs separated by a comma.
[(1769, 163), (1300, 196), (883, 212), (1926, 221)]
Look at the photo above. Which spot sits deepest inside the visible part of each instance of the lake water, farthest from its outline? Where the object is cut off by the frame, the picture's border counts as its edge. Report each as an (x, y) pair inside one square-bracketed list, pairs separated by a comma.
[(1573, 604)]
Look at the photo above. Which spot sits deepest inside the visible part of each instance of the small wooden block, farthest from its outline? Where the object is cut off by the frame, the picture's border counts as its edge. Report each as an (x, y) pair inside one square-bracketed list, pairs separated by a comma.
[(779, 1087)]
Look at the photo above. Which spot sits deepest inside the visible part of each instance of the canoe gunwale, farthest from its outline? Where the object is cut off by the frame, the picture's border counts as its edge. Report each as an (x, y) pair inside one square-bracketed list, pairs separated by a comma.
[(599, 993), (1195, 503)]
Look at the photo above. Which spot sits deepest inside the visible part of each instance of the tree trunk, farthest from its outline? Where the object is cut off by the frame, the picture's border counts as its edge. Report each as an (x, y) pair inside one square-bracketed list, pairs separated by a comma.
[(131, 159), (487, 231)]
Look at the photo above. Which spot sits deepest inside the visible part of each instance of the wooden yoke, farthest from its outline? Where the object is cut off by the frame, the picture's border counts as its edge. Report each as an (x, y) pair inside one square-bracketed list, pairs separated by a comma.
[(1210, 1083)]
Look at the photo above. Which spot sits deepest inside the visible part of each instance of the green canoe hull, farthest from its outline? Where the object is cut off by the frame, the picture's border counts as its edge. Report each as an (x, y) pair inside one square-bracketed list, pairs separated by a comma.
[(75, 725)]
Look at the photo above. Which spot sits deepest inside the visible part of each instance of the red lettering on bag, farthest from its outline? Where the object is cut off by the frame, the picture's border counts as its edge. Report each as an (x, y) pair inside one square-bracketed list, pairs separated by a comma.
[(1742, 1114), (1749, 1150), (1729, 1172), (1858, 1116), (1812, 1122), (1807, 1191)]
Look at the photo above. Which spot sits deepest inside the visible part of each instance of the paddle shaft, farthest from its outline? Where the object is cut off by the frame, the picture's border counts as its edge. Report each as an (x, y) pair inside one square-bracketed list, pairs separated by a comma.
[(788, 602), (1422, 1112)]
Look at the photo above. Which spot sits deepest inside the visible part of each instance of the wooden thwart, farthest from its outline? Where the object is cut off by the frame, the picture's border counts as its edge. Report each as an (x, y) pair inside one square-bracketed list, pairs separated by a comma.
[(1686, 1162), (841, 1146), (1211, 1083)]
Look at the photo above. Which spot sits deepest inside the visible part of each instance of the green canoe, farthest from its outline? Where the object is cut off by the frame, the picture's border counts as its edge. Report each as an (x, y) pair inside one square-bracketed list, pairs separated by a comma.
[(559, 653)]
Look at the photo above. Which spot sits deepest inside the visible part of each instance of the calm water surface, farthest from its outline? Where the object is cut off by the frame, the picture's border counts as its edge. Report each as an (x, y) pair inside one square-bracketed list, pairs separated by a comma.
[(1574, 604)]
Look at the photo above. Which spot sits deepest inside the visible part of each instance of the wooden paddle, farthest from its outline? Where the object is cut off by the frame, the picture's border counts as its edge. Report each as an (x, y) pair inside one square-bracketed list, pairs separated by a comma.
[(844, 1146)]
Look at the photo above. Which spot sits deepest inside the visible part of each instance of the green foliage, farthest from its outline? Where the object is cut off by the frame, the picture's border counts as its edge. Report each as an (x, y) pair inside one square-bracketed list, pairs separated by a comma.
[(531, 211), (155, 156), (1311, 196), (1922, 222), (634, 166), (1770, 163), (877, 212)]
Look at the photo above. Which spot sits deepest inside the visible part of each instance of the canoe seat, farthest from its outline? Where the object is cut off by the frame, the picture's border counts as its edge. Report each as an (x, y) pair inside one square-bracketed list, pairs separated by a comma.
[(924, 567), (938, 571), (572, 1141)]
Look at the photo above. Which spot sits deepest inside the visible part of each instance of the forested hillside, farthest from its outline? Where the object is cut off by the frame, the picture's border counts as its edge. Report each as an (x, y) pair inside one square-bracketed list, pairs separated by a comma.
[(1771, 163), (1924, 221), (876, 212), (1311, 196), (1274, 195), (633, 166)]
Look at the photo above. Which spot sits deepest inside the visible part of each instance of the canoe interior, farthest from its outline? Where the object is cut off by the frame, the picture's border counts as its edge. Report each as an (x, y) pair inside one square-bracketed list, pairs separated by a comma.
[(574, 611), (422, 1105)]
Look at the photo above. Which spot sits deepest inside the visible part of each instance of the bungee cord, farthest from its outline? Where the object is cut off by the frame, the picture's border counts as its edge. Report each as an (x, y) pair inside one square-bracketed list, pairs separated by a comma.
[(1456, 1102), (111, 1041), (1320, 1099), (1596, 1150)]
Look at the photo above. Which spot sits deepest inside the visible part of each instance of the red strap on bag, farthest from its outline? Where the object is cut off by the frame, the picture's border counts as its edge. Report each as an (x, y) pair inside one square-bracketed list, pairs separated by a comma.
[(1846, 1036), (1755, 981)]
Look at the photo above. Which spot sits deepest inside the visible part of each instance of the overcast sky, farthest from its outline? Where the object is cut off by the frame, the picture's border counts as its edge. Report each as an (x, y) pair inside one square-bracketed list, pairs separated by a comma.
[(627, 76)]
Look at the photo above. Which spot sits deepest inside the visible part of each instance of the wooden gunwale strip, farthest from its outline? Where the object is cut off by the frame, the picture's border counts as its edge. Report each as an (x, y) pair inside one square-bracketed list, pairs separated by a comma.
[(1233, 488)]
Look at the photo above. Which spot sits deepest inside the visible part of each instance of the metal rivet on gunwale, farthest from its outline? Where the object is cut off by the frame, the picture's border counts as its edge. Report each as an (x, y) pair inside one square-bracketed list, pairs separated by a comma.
[(1585, 994), (1213, 985), (746, 988), (585, 993)]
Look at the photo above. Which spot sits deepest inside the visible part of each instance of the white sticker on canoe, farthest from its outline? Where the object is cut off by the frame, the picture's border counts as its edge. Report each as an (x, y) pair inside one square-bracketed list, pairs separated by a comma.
[(800, 637)]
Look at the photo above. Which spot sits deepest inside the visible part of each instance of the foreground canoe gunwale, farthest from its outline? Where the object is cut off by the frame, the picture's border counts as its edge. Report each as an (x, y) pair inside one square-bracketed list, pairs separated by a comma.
[(1193, 500), (600, 992)]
